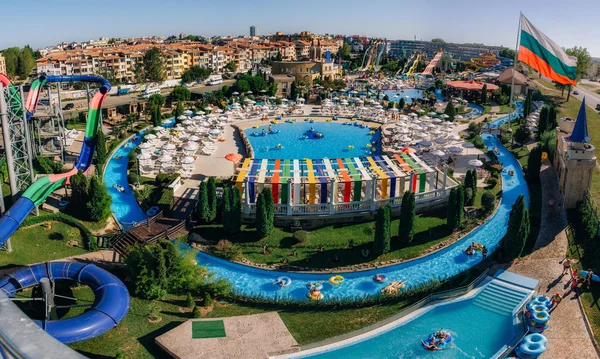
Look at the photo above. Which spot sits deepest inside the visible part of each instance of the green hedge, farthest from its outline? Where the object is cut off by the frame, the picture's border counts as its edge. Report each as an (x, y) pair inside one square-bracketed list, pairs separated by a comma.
[(166, 199), (89, 239)]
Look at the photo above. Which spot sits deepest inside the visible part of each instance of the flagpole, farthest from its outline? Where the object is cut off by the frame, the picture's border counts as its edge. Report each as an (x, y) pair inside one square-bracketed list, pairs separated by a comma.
[(512, 85)]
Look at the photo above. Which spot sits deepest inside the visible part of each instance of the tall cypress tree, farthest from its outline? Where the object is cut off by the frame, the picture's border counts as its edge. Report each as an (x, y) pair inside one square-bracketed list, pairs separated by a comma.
[(474, 182), (79, 195), (269, 205), (451, 219), (534, 164), (518, 229), (460, 205), (543, 120), (202, 210), (408, 212), (236, 210), (381, 244), (484, 94), (262, 229), (98, 205), (226, 214), (552, 122), (212, 199)]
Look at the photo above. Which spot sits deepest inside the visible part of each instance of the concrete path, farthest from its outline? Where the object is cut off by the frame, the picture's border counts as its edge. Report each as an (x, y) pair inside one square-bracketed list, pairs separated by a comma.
[(568, 335)]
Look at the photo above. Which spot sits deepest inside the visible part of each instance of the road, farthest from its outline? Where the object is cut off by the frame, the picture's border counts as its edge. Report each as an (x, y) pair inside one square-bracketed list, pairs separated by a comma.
[(591, 99), (111, 101)]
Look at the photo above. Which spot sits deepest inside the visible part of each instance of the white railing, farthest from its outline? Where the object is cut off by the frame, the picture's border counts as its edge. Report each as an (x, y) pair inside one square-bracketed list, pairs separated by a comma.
[(346, 207)]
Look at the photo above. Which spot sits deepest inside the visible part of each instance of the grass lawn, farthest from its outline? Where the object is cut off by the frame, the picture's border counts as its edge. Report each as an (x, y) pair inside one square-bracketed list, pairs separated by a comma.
[(346, 242), (571, 109), (35, 244), (590, 298), (74, 126)]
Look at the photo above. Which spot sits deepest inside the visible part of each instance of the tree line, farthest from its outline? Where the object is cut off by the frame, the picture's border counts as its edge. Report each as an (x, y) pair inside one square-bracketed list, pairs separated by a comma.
[(20, 62)]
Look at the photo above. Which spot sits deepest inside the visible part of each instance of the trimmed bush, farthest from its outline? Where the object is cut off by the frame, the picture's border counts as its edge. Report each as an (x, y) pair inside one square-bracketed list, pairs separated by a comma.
[(166, 200), (89, 240), (408, 212), (300, 236), (381, 243), (226, 212), (202, 205), (207, 300), (196, 312), (212, 199), (79, 195), (133, 178), (189, 300), (478, 142)]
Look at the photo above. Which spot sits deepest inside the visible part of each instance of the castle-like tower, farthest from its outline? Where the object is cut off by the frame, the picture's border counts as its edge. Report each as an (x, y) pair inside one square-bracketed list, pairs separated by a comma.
[(574, 160), (315, 53)]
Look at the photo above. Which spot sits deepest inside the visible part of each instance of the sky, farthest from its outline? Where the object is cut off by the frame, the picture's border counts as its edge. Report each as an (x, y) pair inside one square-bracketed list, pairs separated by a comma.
[(44, 23)]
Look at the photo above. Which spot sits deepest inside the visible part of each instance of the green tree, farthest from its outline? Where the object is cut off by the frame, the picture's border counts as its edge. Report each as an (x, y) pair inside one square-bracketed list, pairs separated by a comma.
[(99, 201), (584, 61), (212, 199), (101, 154), (178, 111), (408, 213), (270, 206), (236, 210), (189, 300), (451, 215), (81, 117), (518, 229), (208, 302), (153, 65), (534, 164), (381, 244), (293, 91), (155, 115), (161, 267), (450, 111), (507, 53), (195, 73), (460, 205), (231, 66), (527, 105), (226, 213), (543, 120), (196, 313), (261, 216), (401, 104), (488, 202), (552, 121), (157, 100), (202, 207), (79, 195), (484, 95), (180, 93), (522, 134)]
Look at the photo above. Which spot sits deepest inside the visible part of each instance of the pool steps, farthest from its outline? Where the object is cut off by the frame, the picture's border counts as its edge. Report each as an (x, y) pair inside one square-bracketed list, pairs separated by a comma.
[(500, 298)]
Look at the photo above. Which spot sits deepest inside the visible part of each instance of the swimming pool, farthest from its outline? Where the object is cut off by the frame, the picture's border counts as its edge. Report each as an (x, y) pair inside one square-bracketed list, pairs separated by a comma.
[(298, 141), (476, 332), (447, 262), (497, 123), (124, 206), (475, 112)]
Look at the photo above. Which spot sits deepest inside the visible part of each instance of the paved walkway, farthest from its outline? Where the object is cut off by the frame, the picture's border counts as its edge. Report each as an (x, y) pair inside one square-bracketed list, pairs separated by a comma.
[(567, 333)]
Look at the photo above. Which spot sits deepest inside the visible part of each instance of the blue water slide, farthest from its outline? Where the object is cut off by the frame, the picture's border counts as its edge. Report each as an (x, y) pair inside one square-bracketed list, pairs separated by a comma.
[(111, 298), (11, 220)]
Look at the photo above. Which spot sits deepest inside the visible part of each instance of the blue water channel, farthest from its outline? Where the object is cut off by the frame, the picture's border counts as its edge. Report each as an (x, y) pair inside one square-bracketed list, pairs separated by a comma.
[(447, 262), (124, 206)]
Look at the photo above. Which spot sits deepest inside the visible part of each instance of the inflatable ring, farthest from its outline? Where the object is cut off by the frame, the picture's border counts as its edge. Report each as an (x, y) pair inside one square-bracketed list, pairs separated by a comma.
[(541, 317), (336, 279), (373, 149), (254, 126), (369, 145), (314, 286), (372, 133), (63, 203), (542, 300), (314, 295), (284, 281), (350, 147), (380, 278)]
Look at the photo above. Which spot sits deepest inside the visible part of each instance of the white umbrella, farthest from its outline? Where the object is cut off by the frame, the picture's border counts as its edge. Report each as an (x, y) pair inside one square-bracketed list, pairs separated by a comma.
[(405, 139), (200, 113), (158, 128), (444, 116), (459, 117), (165, 159), (215, 131), (191, 146), (235, 93), (468, 145), (454, 137), (168, 147), (197, 118), (436, 120), (403, 131), (188, 112), (208, 108), (438, 153), (182, 117), (150, 137), (188, 122), (432, 113), (194, 138), (145, 145), (145, 156), (187, 160), (475, 163), (420, 110)]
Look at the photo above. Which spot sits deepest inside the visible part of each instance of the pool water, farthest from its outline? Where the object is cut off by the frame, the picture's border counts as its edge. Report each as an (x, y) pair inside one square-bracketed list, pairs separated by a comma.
[(447, 262), (475, 112), (497, 123), (124, 206), (297, 141), (477, 333)]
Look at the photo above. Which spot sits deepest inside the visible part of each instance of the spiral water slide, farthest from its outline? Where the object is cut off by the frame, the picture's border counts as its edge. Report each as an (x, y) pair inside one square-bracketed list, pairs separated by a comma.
[(37, 193), (429, 69), (111, 298)]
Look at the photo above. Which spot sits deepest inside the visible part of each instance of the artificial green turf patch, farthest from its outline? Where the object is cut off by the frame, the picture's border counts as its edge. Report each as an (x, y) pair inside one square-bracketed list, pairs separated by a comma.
[(208, 329)]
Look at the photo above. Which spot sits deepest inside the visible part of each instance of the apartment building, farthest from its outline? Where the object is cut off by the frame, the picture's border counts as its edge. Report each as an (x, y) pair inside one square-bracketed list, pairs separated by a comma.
[(2, 65)]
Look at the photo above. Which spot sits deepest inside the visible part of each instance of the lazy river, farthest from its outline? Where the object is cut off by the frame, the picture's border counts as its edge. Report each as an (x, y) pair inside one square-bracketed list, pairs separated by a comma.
[(447, 262)]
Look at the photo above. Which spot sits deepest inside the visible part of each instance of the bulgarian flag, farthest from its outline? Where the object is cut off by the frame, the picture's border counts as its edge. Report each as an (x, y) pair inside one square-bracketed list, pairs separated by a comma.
[(545, 56)]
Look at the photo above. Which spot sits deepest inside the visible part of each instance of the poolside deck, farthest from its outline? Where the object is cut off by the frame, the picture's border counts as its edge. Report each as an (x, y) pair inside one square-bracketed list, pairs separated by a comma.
[(247, 337)]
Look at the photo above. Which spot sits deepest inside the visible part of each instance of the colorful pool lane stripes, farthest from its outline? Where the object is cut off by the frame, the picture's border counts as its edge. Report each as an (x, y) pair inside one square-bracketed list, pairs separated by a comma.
[(345, 179), (322, 180), (285, 186), (311, 182), (239, 182), (382, 175), (356, 179), (275, 181)]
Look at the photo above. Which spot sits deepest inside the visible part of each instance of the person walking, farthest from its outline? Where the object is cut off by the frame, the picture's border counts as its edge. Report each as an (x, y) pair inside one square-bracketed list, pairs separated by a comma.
[(567, 267)]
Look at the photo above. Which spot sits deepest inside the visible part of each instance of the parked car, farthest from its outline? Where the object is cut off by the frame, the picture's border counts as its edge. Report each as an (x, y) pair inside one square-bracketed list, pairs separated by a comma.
[(598, 107), (68, 107), (575, 92)]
